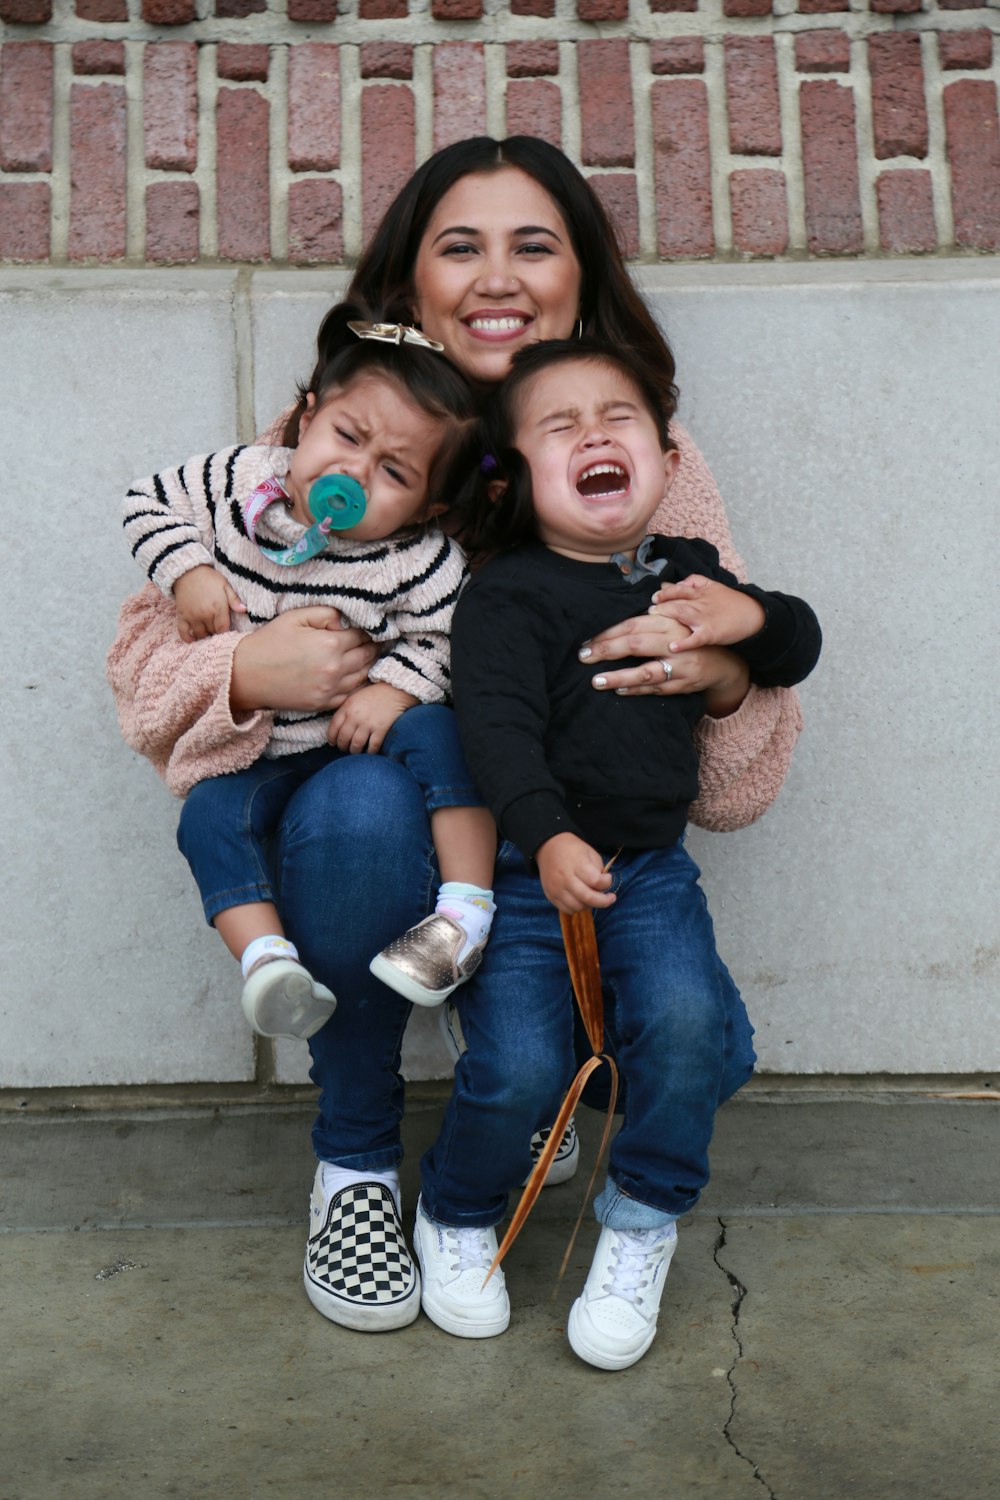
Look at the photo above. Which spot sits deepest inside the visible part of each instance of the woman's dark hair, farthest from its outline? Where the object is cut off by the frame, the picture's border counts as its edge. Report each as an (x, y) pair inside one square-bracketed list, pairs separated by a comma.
[(610, 307), (428, 378), (485, 524)]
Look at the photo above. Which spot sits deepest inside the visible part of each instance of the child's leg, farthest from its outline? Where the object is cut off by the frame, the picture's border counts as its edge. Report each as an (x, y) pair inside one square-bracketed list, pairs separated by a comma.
[(224, 826), (667, 1012), (427, 963)]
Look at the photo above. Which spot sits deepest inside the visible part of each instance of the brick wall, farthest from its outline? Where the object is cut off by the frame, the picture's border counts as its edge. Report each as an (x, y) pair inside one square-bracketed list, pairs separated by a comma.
[(206, 131)]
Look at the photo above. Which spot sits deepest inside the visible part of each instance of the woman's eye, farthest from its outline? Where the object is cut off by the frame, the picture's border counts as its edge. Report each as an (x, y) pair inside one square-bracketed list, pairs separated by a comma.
[(459, 249), (533, 249)]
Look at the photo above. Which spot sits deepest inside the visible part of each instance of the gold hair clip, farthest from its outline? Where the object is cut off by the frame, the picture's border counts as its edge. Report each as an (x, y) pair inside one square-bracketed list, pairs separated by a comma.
[(395, 333)]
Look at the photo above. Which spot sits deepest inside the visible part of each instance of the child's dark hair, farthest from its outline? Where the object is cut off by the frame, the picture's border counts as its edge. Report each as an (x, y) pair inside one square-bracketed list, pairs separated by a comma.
[(486, 525), (427, 378)]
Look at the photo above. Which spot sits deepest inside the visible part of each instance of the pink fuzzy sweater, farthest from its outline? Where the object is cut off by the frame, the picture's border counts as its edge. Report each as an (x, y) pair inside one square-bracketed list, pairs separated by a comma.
[(173, 699)]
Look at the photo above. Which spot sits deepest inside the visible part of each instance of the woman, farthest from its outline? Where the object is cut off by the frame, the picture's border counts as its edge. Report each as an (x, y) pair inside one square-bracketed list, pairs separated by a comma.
[(489, 246)]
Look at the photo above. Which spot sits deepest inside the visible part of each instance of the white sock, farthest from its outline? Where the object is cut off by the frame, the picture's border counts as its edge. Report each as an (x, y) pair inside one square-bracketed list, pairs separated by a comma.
[(271, 946), (471, 907), (335, 1179)]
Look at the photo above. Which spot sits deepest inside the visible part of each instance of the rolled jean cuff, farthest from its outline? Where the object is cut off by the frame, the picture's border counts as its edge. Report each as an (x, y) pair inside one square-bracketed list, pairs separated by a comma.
[(364, 1161), (618, 1211)]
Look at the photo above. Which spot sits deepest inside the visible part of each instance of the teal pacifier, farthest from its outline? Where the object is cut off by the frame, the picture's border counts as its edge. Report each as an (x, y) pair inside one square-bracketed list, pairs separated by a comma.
[(336, 502)]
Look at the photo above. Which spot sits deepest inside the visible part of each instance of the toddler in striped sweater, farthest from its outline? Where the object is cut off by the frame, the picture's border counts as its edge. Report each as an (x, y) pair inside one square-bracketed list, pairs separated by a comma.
[(340, 516)]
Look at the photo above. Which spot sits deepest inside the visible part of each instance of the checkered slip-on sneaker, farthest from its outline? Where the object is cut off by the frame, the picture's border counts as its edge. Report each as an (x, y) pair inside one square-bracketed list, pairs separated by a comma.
[(358, 1271), (566, 1159)]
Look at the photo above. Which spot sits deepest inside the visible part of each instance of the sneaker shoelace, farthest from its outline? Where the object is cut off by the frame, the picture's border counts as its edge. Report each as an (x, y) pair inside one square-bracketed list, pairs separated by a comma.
[(632, 1253), (471, 1249)]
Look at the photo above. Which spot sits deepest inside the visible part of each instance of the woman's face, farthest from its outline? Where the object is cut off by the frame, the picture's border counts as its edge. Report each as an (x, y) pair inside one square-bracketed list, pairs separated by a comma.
[(495, 270)]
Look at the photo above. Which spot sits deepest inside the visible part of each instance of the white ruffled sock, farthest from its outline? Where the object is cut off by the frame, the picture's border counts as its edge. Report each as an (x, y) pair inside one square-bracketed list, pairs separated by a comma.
[(471, 907)]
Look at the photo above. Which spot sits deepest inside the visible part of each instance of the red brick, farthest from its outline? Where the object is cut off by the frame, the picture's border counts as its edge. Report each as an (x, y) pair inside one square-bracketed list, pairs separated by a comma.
[(532, 7), (243, 62), (682, 168), (311, 10), (619, 195), (168, 12), (973, 142), (681, 54), (966, 49), (758, 199), (456, 10), (314, 107), (97, 171), (665, 6), (830, 169), (899, 113), (382, 10), (387, 148), (752, 96), (26, 13), (170, 105), (172, 217), (823, 52), (386, 60), (896, 7), (24, 221), (459, 70), (243, 198), (746, 7), (602, 10), (98, 57), (237, 10), (532, 59), (961, 4), (26, 107), (102, 10), (315, 222), (822, 7), (906, 212), (534, 107), (607, 129)]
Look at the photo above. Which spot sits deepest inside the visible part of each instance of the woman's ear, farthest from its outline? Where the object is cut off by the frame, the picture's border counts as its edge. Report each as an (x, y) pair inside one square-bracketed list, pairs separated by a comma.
[(495, 490), (308, 414)]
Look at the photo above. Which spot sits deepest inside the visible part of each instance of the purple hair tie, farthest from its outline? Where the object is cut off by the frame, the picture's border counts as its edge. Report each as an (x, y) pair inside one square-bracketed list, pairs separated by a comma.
[(488, 464)]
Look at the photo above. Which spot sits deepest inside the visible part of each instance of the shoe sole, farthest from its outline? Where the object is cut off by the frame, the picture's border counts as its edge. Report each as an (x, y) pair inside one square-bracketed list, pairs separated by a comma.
[(600, 1358), (290, 1009), (361, 1318), (407, 987)]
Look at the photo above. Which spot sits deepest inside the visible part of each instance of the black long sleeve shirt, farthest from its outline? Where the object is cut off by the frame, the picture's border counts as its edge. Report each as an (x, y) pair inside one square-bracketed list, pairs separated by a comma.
[(549, 752)]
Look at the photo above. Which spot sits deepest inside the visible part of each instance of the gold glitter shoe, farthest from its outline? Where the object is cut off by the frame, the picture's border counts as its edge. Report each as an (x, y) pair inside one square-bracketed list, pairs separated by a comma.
[(423, 963)]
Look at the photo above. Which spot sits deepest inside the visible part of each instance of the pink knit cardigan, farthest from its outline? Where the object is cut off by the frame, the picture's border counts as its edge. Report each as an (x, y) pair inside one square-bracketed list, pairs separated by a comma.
[(173, 699)]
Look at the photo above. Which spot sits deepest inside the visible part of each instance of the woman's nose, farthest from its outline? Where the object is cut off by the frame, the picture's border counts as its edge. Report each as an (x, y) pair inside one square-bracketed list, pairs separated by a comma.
[(496, 277)]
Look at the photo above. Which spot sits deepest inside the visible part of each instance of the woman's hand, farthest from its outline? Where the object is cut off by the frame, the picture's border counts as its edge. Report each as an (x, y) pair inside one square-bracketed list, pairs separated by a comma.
[(722, 676), (573, 874), (305, 659)]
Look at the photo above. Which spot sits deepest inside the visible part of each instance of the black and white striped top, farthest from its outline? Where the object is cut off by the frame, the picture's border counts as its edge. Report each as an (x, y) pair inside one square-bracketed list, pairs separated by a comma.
[(402, 590)]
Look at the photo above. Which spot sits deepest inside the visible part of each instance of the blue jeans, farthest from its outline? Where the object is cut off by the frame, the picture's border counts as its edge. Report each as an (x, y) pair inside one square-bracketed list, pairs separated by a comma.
[(227, 822), (674, 1017)]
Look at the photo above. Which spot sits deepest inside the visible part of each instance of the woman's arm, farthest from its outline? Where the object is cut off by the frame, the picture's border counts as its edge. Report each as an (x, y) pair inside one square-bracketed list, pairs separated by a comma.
[(199, 710)]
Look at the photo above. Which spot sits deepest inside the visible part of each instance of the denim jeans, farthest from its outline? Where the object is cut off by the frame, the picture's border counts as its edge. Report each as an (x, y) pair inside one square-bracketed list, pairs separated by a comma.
[(227, 821), (675, 1019)]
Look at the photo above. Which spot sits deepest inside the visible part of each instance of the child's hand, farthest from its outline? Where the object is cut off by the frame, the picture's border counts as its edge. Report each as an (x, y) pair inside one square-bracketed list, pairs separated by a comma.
[(573, 874), (716, 614), (204, 600), (364, 720)]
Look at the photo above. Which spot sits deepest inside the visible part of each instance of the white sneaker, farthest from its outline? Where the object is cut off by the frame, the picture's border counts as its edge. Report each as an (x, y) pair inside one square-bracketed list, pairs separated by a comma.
[(281, 998), (613, 1322), (453, 1267)]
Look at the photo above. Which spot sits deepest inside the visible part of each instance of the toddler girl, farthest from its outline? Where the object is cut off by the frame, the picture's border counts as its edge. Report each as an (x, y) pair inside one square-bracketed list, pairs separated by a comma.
[(577, 778), (339, 517)]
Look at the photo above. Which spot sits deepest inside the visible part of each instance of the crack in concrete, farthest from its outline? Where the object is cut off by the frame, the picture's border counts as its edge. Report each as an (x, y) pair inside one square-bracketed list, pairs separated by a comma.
[(739, 1293)]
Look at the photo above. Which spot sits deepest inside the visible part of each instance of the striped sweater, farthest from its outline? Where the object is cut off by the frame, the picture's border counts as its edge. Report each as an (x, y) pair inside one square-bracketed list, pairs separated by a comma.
[(401, 590)]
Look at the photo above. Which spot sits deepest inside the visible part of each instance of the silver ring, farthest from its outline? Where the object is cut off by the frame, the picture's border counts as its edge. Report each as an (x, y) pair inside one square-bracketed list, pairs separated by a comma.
[(668, 669)]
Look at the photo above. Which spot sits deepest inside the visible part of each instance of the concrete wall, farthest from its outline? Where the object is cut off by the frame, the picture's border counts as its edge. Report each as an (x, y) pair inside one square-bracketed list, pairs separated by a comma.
[(849, 413)]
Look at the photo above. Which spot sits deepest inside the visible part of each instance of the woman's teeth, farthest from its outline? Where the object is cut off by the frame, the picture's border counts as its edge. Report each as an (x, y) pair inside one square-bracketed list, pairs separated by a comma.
[(496, 325), (603, 479)]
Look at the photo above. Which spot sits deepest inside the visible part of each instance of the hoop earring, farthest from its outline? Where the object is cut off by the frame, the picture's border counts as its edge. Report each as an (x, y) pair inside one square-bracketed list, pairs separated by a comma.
[(578, 330)]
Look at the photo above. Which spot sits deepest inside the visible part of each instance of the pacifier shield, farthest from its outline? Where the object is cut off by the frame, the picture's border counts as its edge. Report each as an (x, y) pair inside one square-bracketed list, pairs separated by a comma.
[(338, 501)]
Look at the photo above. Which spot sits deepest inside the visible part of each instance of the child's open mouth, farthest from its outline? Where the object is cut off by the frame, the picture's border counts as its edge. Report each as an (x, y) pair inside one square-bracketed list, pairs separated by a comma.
[(602, 480)]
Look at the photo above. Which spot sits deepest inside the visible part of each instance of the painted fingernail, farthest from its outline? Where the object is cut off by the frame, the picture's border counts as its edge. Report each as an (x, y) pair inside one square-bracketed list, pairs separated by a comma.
[(584, 652), (600, 682), (622, 692)]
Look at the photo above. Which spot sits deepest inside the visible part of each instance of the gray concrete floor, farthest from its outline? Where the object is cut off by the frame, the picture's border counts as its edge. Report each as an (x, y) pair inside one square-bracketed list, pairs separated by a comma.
[(830, 1327)]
